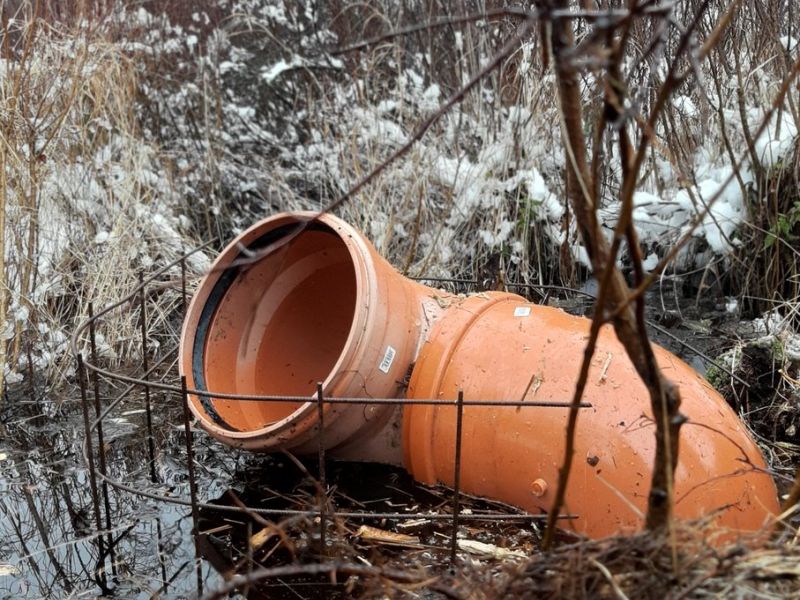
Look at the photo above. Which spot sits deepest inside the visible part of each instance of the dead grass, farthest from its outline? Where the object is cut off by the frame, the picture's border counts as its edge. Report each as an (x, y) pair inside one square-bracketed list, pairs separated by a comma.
[(641, 566), (84, 199)]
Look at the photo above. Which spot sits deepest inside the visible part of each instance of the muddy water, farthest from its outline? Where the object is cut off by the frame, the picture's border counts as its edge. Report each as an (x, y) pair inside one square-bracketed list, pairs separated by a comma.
[(48, 544)]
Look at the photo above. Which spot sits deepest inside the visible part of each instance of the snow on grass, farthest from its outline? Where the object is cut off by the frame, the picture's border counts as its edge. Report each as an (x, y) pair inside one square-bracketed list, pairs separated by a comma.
[(88, 202), (789, 42), (777, 139), (202, 129)]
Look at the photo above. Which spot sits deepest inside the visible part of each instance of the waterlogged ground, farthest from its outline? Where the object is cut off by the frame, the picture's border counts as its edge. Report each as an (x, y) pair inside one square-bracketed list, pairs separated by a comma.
[(48, 544), (48, 547)]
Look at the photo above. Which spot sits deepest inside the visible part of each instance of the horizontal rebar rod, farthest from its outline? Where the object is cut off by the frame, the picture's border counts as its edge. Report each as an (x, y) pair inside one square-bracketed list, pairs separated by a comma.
[(391, 401), (496, 516), (310, 399)]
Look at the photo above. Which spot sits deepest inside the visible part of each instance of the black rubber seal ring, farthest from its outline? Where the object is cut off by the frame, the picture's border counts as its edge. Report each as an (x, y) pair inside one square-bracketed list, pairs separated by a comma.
[(215, 299)]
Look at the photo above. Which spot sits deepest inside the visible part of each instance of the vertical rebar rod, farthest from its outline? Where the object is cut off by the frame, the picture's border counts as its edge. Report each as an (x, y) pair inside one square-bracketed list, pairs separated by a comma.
[(184, 303), (161, 561), (323, 499), (151, 448), (101, 454), (192, 482), (457, 478), (90, 459)]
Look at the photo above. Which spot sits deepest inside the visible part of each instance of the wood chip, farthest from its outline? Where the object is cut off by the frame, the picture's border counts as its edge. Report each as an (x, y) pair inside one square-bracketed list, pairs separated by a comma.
[(604, 370), (413, 523), (442, 302), (476, 547), (365, 532), (259, 538)]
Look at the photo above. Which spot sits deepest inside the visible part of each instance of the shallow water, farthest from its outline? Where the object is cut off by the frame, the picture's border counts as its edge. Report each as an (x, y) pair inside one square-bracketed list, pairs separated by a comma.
[(48, 548), (47, 521)]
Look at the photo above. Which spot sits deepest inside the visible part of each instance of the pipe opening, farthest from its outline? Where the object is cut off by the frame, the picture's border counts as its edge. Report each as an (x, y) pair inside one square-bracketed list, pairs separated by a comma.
[(277, 327)]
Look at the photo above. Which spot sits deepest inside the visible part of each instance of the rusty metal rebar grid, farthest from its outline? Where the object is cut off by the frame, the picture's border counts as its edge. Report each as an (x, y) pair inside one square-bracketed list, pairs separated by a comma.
[(457, 477), (157, 374), (139, 296)]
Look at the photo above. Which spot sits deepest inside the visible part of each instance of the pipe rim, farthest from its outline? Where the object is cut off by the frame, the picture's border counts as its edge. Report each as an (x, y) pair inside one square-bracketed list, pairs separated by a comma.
[(193, 342)]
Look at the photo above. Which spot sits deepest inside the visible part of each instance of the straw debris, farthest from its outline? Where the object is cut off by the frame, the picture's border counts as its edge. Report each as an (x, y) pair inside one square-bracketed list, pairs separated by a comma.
[(641, 566)]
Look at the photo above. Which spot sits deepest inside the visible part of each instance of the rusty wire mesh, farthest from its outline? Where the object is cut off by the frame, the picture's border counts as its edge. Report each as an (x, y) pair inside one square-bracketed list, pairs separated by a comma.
[(157, 373)]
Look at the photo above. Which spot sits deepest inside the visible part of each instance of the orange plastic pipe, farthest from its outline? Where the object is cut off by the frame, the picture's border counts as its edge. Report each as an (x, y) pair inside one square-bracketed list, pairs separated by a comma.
[(498, 346), (325, 307)]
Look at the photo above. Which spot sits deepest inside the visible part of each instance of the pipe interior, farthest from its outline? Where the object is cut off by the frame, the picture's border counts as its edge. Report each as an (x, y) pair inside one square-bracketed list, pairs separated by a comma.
[(281, 327)]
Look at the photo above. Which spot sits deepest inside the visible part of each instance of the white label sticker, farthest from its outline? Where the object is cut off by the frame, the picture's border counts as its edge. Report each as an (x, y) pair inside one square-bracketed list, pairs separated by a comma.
[(388, 358), (522, 311)]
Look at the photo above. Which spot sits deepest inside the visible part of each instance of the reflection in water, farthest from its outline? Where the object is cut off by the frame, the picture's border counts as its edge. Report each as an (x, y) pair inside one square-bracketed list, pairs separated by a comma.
[(48, 544)]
